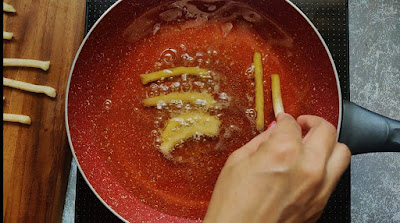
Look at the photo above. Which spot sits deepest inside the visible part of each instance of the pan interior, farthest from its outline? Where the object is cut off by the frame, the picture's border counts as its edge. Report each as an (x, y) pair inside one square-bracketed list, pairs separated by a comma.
[(116, 139)]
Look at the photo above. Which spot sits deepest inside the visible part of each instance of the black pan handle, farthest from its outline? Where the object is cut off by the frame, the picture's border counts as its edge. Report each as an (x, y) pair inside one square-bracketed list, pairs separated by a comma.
[(364, 131)]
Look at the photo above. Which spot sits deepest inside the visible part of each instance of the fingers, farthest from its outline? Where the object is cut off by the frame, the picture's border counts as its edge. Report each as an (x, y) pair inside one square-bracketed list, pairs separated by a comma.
[(321, 136), (287, 126), (285, 129), (315, 217), (337, 164), (283, 145), (250, 147), (253, 145), (288, 129)]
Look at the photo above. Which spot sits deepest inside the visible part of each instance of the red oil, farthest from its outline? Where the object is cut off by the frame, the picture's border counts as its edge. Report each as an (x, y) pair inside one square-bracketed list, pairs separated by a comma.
[(221, 37)]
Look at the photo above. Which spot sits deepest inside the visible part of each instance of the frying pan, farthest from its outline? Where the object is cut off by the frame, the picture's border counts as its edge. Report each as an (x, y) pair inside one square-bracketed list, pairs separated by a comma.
[(95, 69)]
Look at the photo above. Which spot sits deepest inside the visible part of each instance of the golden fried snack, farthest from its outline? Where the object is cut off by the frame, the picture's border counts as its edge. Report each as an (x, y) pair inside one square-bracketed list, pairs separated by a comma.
[(13, 62), (7, 35), (17, 118), (258, 78), (49, 91), (196, 98), (150, 77), (185, 126), (8, 8), (276, 94)]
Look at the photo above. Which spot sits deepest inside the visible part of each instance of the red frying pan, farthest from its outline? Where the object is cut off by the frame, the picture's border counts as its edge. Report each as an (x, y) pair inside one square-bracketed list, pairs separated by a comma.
[(115, 138)]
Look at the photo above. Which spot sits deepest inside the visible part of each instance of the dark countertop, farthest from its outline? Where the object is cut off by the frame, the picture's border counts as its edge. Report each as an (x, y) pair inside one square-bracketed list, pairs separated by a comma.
[(374, 27)]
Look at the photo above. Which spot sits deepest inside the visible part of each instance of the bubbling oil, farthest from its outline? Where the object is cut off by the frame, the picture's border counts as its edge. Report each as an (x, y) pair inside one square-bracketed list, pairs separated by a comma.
[(186, 83), (220, 36), (187, 15)]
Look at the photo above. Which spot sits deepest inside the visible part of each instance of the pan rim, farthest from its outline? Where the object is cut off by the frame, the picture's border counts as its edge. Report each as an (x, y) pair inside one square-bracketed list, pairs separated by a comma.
[(83, 43), (66, 112), (340, 101)]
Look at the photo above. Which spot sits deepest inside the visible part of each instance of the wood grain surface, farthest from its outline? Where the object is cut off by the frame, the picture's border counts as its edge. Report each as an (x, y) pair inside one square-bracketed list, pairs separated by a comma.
[(37, 157)]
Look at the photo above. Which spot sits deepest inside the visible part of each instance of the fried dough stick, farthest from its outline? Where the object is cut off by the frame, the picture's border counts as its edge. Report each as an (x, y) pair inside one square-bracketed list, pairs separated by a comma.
[(185, 126), (7, 35), (150, 77), (204, 99), (13, 62), (17, 118), (49, 91), (276, 94), (8, 8), (258, 78)]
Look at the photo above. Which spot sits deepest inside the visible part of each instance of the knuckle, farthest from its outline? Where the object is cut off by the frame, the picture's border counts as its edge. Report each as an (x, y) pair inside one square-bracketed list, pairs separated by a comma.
[(283, 115), (345, 150), (320, 204), (315, 182), (286, 148), (235, 155), (229, 169), (296, 126), (273, 134), (280, 136), (264, 145), (315, 120), (329, 128), (316, 208), (313, 174)]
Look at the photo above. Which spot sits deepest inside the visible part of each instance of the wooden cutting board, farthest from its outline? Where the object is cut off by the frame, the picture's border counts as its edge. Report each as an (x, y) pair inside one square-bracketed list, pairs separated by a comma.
[(37, 158)]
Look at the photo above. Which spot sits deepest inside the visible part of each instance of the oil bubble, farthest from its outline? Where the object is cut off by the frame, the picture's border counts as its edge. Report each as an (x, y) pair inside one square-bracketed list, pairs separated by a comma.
[(156, 28), (250, 113), (183, 47), (187, 57), (212, 8), (168, 56), (107, 104), (250, 72), (154, 132), (163, 88)]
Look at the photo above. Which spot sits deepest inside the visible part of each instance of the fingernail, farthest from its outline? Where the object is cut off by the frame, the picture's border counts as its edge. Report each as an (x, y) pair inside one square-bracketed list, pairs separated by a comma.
[(272, 124)]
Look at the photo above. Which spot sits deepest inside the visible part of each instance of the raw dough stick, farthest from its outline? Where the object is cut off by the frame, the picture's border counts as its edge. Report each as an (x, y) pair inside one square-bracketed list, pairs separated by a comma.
[(258, 78), (13, 62), (7, 35), (17, 118), (196, 98), (276, 94), (51, 92), (146, 78), (8, 8)]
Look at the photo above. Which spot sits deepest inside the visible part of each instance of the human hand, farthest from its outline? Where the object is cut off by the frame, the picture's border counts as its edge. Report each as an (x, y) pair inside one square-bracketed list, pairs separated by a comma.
[(280, 176)]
